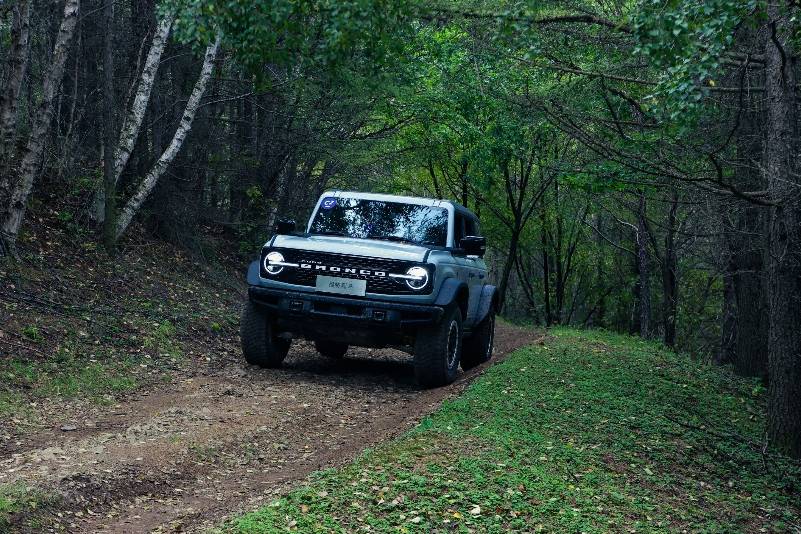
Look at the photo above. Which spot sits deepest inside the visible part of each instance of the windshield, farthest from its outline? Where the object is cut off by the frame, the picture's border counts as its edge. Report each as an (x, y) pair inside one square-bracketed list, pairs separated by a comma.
[(376, 219)]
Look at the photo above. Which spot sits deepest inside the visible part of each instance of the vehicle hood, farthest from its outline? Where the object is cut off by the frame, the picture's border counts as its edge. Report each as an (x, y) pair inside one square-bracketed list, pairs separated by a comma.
[(372, 248)]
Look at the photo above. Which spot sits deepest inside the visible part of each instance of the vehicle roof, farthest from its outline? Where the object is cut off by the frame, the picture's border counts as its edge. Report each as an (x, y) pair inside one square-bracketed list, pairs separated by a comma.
[(399, 198)]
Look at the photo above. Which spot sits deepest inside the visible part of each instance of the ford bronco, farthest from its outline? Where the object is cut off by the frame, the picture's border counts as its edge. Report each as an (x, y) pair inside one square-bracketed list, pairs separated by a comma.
[(375, 270)]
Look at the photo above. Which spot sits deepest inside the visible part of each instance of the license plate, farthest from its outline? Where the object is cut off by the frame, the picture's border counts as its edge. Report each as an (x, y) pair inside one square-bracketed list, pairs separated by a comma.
[(341, 286)]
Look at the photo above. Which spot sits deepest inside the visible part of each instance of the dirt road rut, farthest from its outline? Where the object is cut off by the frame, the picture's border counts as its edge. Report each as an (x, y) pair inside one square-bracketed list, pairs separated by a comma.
[(223, 439)]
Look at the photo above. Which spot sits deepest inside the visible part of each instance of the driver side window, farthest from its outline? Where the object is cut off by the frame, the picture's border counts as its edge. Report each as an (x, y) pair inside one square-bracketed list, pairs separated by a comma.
[(471, 227), (458, 229)]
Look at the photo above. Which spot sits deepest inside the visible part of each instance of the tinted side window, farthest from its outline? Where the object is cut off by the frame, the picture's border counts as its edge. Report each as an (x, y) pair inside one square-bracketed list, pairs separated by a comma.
[(471, 227), (458, 229)]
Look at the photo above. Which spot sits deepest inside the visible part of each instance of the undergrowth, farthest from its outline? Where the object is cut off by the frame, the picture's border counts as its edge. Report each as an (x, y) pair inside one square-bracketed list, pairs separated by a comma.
[(76, 323)]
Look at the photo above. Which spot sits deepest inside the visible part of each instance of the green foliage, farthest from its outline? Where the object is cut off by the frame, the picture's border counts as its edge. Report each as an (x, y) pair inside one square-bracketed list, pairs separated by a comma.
[(686, 43), (21, 501), (589, 432), (32, 332), (324, 34), (162, 339), (64, 375)]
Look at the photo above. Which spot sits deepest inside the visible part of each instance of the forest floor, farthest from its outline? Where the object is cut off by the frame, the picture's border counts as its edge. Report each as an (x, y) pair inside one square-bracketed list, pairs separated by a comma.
[(219, 438), (580, 432), (125, 404)]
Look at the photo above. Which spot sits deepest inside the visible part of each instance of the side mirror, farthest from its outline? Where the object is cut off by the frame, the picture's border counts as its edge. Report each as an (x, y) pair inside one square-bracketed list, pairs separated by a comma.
[(474, 245), (285, 226)]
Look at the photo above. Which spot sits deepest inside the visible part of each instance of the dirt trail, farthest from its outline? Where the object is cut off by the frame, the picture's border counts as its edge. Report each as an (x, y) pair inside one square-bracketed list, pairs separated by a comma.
[(186, 455)]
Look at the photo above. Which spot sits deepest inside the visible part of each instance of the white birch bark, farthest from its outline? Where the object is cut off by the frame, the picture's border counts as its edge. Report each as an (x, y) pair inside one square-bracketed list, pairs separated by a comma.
[(184, 127), (12, 213), (133, 120)]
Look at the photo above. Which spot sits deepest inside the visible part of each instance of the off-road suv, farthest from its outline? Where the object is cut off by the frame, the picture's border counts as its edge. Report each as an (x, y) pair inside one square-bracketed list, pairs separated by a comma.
[(375, 270)]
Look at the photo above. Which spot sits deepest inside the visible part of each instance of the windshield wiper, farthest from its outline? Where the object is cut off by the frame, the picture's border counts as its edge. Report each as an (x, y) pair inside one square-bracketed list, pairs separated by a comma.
[(330, 232), (397, 238)]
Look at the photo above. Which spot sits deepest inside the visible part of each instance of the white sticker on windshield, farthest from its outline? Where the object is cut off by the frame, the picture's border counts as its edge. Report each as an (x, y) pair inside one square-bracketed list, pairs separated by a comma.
[(328, 203)]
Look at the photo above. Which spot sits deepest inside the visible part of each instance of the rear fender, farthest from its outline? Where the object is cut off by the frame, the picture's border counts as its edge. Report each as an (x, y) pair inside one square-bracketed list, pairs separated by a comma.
[(488, 302)]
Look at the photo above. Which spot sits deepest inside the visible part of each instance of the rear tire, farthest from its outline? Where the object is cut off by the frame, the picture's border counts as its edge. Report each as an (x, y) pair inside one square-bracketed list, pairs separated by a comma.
[(260, 345), (437, 350), (478, 348), (331, 349)]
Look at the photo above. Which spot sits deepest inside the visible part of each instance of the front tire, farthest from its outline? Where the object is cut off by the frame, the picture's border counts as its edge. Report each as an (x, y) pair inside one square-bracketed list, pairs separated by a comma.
[(331, 349), (437, 351), (260, 345), (478, 348)]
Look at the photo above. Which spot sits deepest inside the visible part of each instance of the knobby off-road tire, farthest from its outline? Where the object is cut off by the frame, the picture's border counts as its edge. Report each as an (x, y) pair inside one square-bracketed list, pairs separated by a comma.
[(331, 349), (478, 347), (260, 345), (437, 350)]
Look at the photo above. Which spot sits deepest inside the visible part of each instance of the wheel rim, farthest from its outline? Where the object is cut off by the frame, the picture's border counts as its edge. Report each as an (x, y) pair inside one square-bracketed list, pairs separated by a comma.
[(453, 343), (491, 337)]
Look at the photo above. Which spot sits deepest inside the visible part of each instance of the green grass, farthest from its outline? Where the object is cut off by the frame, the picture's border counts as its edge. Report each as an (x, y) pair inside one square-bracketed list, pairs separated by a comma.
[(63, 376), (80, 369), (589, 432), (22, 502)]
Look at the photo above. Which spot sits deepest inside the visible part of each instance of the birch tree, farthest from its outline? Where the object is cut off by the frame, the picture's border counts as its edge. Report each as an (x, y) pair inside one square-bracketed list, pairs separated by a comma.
[(133, 120), (184, 127), (13, 203), (131, 125)]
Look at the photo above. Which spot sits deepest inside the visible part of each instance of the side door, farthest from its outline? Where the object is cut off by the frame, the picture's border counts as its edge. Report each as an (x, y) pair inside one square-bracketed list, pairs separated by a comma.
[(472, 268)]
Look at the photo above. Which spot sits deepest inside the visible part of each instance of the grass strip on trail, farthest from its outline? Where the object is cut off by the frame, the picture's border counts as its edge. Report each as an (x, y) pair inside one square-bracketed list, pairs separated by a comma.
[(587, 432)]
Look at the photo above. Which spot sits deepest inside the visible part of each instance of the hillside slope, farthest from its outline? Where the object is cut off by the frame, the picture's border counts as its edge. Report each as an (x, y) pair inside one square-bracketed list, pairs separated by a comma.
[(76, 325), (586, 432)]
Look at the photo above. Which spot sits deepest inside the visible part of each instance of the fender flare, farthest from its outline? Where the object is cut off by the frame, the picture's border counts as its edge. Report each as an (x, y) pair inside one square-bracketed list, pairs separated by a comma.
[(449, 292), (489, 301), (253, 273)]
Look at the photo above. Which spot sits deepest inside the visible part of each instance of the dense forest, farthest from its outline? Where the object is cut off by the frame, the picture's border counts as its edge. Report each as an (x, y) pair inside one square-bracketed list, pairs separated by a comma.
[(633, 163)]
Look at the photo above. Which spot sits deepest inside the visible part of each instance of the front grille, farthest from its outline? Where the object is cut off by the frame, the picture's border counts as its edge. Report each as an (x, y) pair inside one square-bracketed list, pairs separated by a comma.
[(375, 284)]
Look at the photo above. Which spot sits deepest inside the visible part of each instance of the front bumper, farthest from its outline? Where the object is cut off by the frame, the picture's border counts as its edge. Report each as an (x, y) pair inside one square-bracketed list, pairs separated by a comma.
[(319, 316)]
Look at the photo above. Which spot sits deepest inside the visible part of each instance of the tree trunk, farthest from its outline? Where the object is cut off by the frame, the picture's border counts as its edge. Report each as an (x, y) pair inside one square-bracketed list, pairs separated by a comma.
[(643, 268), (784, 259), (509, 264), (669, 280), (185, 126), (281, 186), (745, 234), (133, 120), (747, 272), (12, 211), (728, 327), (109, 178), (546, 270), (16, 65), (559, 259)]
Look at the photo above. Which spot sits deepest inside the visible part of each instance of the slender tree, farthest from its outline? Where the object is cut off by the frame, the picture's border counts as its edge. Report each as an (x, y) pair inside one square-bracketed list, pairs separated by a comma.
[(147, 185), (13, 203)]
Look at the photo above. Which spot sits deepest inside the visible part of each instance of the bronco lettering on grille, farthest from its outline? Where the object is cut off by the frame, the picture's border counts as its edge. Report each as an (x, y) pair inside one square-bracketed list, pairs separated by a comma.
[(363, 272)]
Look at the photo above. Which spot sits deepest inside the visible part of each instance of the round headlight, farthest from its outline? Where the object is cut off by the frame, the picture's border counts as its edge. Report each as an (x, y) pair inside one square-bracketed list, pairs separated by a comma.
[(420, 279), (270, 260)]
